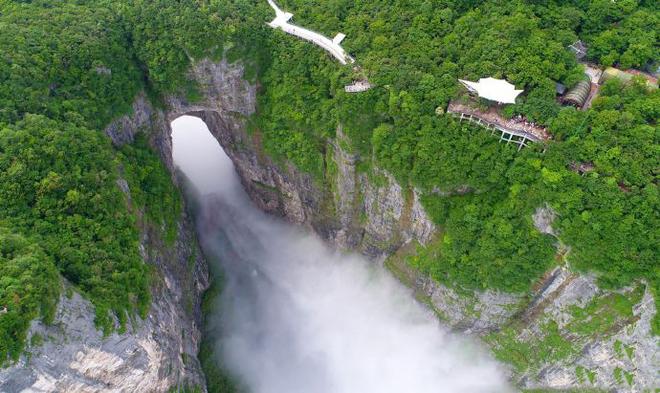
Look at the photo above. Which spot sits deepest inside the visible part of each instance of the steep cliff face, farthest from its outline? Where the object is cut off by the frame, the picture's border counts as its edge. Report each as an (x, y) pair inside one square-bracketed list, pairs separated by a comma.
[(559, 336), (555, 328), (154, 354)]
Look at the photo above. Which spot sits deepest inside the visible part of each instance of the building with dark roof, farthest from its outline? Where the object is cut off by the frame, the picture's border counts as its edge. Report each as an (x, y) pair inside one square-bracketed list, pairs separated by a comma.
[(578, 95)]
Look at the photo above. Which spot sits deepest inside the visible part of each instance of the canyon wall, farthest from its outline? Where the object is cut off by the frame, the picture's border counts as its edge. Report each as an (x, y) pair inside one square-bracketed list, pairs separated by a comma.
[(367, 212), (154, 354), (371, 213)]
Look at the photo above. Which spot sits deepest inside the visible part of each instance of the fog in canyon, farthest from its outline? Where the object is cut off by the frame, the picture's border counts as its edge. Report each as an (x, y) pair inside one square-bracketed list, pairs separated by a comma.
[(298, 317)]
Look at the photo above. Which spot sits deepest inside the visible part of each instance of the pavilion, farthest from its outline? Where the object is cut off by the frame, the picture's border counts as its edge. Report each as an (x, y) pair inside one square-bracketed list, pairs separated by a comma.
[(492, 89), (515, 130)]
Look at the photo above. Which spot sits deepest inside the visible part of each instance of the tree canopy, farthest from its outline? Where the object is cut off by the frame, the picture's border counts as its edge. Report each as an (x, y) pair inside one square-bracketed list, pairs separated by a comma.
[(67, 68), (413, 52)]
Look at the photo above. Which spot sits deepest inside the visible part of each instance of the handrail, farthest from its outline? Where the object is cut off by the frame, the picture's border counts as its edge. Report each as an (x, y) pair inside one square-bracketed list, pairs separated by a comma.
[(332, 46)]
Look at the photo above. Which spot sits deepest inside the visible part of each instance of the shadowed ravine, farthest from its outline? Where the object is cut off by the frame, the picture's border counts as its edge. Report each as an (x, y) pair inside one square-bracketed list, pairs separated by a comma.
[(297, 317)]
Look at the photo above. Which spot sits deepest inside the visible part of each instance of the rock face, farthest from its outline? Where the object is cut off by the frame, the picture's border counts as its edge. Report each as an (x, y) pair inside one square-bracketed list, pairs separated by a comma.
[(367, 212), (373, 214), (71, 355), (609, 349)]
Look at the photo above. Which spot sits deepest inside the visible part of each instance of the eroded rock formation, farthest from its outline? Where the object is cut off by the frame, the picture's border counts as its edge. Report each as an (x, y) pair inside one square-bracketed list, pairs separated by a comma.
[(367, 212)]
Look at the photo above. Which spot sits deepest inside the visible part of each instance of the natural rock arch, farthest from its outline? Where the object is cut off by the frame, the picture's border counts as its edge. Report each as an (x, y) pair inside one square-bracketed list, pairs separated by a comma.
[(279, 188)]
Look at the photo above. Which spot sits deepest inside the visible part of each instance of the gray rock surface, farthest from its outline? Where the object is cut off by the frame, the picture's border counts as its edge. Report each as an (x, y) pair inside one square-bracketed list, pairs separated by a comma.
[(368, 212), (372, 213), (123, 130), (629, 347), (543, 218), (153, 355)]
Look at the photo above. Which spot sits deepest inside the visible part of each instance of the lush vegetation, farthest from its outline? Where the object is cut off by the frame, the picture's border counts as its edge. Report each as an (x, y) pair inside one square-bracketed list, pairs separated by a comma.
[(75, 64), (414, 52), (621, 32), (58, 184), (69, 67), (608, 216), (151, 187), (165, 35), (28, 289)]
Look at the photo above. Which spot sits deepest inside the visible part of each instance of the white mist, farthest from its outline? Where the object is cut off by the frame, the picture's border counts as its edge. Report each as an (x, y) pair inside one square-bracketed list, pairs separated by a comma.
[(297, 317)]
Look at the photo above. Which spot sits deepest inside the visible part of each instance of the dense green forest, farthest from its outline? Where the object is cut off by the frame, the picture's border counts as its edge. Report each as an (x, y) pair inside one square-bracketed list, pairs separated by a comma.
[(28, 279), (69, 67), (413, 52), (59, 185)]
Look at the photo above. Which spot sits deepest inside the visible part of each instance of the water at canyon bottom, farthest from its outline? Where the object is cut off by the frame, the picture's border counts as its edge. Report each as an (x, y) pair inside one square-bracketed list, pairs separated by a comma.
[(298, 317)]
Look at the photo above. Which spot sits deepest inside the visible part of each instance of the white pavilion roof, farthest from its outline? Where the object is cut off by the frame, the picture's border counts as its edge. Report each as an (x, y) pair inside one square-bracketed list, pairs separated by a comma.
[(494, 89)]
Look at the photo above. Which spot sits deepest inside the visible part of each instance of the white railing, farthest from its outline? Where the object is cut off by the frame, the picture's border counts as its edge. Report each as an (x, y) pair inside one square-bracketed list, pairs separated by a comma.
[(332, 46), (506, 135)]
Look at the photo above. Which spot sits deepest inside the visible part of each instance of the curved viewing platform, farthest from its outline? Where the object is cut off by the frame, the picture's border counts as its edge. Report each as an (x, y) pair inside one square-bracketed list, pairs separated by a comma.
[(332, 46), (514, 130)]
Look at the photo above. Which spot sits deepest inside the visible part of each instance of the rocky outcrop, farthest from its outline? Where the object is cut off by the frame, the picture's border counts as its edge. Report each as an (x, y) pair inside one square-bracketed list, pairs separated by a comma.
[(143, 117), (394, 216), (72, 355), (477, 313), (372, 213), (365, 211), (611, 346), (543, 218)]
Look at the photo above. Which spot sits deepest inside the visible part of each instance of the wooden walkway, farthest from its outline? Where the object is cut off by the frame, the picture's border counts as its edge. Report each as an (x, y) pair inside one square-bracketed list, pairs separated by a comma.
[(519, 137)]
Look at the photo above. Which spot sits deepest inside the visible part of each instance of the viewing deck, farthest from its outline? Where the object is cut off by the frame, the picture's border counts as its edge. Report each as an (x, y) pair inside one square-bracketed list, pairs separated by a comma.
[(331, 46), (358, 86), (515, 131)]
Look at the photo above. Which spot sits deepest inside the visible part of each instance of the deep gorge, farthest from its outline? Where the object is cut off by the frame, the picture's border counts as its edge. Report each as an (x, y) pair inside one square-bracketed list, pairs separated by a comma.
[(544, 256), (295, 316), (373, 215)]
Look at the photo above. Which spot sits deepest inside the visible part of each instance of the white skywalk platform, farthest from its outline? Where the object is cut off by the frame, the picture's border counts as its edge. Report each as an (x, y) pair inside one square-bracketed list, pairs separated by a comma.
[(332, 46)]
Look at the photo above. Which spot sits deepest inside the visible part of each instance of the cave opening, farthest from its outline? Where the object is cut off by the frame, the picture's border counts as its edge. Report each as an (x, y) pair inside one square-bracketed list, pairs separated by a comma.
[(198, 154), (295, 315)]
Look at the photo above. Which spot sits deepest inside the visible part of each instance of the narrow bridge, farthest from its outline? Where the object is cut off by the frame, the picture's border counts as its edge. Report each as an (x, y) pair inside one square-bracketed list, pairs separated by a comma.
[(332, 46)]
